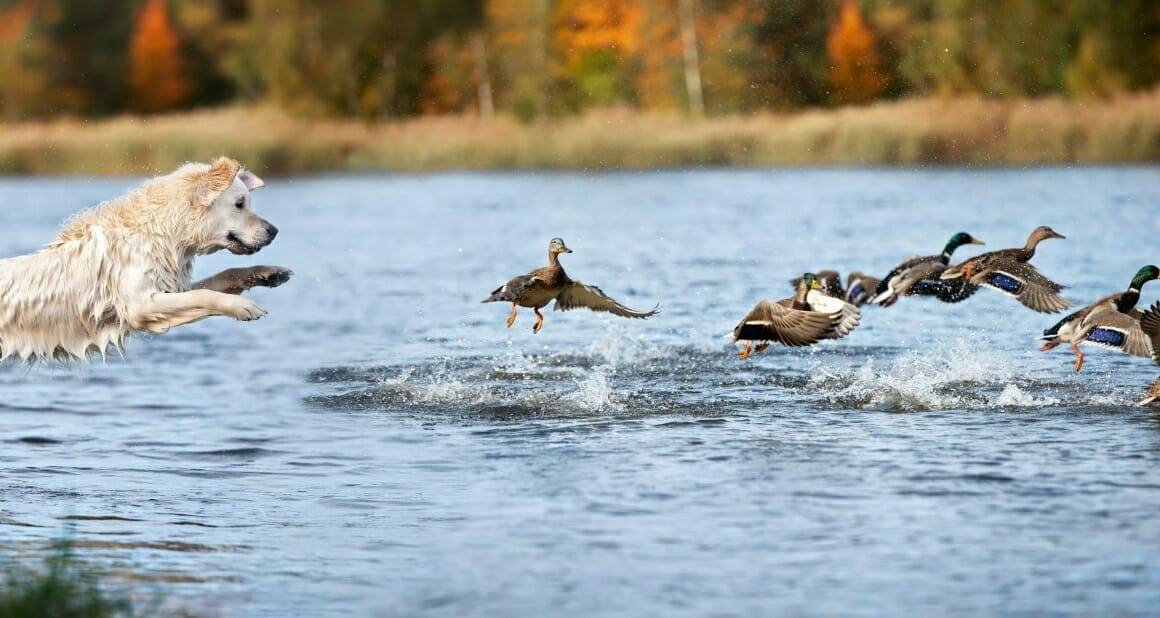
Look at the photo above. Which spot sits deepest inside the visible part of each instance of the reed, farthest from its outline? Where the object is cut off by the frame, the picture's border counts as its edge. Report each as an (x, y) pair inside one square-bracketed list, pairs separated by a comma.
[(929, 131), (60, 587)]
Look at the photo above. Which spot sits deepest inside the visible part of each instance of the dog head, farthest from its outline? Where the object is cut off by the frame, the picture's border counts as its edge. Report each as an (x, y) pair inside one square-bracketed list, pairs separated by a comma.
[(228, 220)]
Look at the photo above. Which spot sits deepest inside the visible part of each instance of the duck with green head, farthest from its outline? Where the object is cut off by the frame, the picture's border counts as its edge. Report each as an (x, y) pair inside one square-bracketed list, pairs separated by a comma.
[(805, 318), (1111, 322), (919, 276)]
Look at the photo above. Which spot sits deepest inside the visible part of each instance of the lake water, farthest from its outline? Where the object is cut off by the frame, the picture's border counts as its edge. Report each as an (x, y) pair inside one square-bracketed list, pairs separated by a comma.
[(382, 445)]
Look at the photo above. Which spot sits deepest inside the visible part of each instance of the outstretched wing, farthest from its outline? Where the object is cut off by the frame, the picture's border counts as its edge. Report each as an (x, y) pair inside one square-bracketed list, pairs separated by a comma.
[(576, 295), (1027, 284), (1117, 331), (770, 321), (850, 315), (1150, 324)]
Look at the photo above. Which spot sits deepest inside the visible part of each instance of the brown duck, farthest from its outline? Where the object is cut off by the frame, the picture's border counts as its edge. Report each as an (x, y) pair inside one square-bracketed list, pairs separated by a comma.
[(1009, 271), (807, 317), (543, 285)]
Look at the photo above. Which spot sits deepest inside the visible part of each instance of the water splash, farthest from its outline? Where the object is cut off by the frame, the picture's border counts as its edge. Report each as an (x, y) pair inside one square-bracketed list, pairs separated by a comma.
[(1013, 396), (618, 346), (595, 394), (948, 377)]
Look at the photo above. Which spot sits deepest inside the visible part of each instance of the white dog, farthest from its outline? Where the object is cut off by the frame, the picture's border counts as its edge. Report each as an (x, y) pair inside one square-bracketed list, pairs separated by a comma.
[(126, 266)]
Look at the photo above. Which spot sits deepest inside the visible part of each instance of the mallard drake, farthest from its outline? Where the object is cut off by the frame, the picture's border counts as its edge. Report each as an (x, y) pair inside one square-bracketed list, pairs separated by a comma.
[(830, 283), (1152, 395), (543, 285), (919, 275), (803, 319), (1111, 322), (859, 288), (1009, 272)]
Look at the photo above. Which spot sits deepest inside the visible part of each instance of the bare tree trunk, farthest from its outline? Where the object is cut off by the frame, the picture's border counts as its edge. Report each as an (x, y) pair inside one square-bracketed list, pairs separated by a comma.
[(483, 81), (692, 62)]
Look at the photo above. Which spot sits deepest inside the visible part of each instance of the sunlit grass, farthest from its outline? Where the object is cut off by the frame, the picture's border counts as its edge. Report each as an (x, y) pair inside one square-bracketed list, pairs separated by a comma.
[(962, 131)]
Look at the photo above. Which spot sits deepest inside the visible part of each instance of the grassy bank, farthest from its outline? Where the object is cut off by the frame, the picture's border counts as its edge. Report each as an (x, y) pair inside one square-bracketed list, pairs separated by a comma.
[(912, 132)]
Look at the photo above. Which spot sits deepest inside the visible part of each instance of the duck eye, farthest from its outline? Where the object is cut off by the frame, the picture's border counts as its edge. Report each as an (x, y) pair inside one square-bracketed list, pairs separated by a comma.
[(241, 203)]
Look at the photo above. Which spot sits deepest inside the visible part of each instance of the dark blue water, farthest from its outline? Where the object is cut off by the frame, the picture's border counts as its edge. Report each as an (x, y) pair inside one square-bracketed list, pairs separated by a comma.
[(382, 445)]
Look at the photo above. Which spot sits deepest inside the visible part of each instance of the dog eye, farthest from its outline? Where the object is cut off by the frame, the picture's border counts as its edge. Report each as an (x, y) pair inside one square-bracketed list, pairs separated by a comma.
[(241, 203)]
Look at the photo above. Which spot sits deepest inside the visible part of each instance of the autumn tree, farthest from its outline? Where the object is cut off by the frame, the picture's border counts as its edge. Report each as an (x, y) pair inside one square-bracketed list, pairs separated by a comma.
[(157, 73), (852, 47), (22, 88), (596, 42)]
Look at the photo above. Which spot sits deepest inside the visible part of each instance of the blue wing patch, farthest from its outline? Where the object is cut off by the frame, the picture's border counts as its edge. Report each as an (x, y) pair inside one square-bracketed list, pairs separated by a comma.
[(1005, 282), (1107, 336), (856, 290)]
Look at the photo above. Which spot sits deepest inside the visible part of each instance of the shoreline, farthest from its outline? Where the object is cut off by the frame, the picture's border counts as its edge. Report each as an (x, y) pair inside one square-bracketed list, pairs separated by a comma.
[(954, 133)]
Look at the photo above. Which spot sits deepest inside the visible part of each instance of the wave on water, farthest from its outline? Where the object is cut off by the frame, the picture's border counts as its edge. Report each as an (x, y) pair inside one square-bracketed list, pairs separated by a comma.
[(965, 374), (617, 373), (624, 373)]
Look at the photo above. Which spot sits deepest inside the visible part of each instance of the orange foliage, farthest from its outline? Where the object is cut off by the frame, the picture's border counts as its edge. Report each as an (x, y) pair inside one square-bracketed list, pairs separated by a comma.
[(14, 21), (157, 77), (660, 57), (853, 50), (584, 26)]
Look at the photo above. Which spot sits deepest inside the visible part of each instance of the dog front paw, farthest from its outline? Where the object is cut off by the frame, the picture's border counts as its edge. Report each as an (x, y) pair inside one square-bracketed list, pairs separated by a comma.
[(267, 276), (243, 309)]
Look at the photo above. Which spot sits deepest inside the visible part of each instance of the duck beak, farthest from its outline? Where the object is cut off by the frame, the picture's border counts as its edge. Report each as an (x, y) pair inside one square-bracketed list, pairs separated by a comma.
[(976, 241), (1058, 235), (567, 250)]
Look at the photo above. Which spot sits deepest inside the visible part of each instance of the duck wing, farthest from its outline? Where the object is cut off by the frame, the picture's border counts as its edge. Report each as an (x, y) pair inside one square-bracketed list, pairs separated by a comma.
[(515, 289), (861, 289), (577, 295), (772, 321), (1117, 331), (1025, 283), (948, 291), (905, 276), (849, 315), (1150, 324)]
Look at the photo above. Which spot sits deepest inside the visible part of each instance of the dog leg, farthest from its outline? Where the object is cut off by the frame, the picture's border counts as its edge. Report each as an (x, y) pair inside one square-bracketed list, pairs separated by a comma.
[(164, 311), (238, 280)]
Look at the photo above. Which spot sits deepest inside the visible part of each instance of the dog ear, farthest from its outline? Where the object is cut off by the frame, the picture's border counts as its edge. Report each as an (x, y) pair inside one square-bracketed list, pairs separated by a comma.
[(221, 175), (251, 180)]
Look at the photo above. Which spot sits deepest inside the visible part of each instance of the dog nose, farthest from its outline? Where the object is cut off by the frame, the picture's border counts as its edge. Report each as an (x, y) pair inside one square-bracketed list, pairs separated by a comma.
[(271, 232)]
